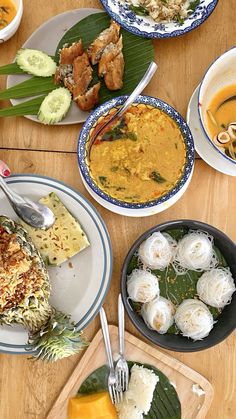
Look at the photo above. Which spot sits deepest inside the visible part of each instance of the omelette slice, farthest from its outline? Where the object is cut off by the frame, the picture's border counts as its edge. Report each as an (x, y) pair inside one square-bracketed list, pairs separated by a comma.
[(61, 241)]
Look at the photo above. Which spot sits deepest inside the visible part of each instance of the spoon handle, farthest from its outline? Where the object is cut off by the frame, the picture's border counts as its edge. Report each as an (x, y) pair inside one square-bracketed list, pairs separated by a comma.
[(140, 87), (12, 196)]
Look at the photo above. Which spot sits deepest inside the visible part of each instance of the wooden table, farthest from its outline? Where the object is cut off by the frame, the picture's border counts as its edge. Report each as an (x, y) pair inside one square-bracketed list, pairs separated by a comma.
[(28, 389)]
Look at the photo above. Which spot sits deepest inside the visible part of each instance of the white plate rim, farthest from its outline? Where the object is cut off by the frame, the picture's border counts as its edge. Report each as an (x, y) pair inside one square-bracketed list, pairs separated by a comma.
[(107, 275)]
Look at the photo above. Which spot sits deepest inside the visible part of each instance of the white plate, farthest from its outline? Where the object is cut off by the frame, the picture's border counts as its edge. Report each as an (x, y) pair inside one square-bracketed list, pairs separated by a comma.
[(145, 26), (202, 146), (46, 38), (78, 290)]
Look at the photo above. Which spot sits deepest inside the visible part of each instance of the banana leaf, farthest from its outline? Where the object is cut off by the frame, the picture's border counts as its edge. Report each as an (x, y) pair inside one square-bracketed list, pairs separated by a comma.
[(138, 52), (165, 403), (30, 87), (29, 107), (173, 287), (11, 69)]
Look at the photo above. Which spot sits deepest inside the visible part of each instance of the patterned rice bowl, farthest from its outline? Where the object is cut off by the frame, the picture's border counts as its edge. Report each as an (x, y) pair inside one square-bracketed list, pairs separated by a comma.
[(145, 26), (126, 208)]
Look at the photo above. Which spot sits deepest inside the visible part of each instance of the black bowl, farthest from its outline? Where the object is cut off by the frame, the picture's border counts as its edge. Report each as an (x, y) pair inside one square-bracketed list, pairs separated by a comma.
[(226, 323)]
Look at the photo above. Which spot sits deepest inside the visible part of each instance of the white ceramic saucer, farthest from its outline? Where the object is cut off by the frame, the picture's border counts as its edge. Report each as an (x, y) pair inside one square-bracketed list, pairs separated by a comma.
[(203, 148)]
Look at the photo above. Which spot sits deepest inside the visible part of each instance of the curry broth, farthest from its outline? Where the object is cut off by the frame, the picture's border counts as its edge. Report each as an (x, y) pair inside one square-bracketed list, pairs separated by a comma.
[(220, 114), (7, 12), (224, 114), (143, 160)]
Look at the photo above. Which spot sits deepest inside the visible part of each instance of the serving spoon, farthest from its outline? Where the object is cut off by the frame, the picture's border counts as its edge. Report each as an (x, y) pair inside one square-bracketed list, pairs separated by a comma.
[(33, 213), (132, 97)]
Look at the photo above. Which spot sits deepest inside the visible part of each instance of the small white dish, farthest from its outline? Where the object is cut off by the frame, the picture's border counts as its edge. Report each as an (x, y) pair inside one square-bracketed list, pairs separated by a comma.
[(202, 145), (7, 32), (220, 74), (79, 286)]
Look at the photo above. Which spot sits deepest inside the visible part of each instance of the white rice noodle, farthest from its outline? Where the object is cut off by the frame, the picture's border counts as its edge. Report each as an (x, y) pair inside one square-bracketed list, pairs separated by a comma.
[(157, 251), (141, 388), (158, 314), (194, 319), (216, 287), (142, 286), (195, 252)]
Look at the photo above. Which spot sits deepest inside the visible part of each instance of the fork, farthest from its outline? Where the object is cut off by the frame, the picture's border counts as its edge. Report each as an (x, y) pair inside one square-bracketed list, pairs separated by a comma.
[(122, 369), (116, 396)]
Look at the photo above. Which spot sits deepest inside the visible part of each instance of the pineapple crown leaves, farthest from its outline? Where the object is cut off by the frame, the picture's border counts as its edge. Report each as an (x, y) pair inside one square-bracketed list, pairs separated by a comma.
[(57, 339)]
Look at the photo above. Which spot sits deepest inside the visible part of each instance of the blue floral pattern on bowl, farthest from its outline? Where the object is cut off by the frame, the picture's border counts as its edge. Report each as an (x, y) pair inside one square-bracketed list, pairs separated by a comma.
[(146, 100), (145, 26)]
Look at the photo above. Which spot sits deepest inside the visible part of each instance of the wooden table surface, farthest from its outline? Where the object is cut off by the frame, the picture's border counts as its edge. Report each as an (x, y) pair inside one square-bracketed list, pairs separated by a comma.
[(28, 389)]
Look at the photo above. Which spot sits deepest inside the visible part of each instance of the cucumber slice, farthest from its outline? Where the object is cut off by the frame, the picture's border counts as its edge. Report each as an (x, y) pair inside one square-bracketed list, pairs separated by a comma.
[(55, 106), (35, 62)]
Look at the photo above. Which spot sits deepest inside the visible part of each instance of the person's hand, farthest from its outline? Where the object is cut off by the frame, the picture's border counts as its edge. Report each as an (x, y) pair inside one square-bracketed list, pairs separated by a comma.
[(4, 169)]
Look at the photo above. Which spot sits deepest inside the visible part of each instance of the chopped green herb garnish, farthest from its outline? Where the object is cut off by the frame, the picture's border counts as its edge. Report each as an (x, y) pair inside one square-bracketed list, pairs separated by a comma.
[(139, 10), (157, 177), (4, 9), (193, 5), (102, 180), (179, 19), (119, 132)]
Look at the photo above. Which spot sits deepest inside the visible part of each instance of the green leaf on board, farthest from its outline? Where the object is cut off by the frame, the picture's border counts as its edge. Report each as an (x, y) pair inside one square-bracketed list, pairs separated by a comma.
[(165, 403)]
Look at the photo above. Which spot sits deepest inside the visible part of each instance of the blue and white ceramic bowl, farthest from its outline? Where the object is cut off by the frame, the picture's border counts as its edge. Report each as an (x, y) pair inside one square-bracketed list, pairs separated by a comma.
[(220, 74), (145, 26), (135, 209)]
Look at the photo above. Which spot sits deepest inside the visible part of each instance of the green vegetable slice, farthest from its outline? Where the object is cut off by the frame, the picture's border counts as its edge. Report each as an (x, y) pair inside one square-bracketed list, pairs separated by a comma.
[(55, 106), (35, 62)]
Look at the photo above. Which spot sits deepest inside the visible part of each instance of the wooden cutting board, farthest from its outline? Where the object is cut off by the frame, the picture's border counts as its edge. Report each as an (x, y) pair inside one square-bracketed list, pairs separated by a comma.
[(182, 377)]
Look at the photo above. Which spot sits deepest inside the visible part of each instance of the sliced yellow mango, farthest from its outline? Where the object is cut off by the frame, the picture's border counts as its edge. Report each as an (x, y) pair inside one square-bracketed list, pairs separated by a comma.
[(92, 406)]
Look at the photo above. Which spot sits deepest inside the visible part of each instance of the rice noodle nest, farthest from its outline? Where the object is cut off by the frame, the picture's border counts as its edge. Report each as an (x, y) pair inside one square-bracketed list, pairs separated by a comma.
[(158, 314), (142, 286), (157, 251), (194, 319), (195, 252), (216, 287)]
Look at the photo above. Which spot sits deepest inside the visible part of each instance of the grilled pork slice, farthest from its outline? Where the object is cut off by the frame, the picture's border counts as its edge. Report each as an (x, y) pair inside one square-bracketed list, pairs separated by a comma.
[(64, 71), (115, 71), (111, 66), (87, 101), (68, 54), (107, 36), (82, 75)]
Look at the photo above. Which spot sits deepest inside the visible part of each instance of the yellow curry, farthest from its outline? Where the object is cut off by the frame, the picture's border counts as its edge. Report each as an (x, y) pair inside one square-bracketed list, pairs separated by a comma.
[(139, 159), (7, 12)]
